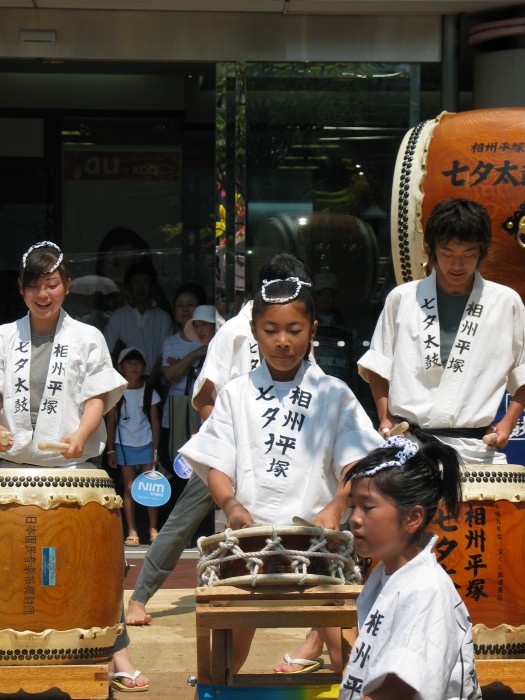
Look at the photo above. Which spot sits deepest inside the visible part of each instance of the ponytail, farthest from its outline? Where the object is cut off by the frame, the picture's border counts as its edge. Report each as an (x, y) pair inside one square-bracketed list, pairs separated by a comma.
[(410, 477)]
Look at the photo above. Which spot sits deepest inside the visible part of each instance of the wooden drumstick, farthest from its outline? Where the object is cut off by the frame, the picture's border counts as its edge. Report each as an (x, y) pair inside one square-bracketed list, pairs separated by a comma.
[(490, 438), (4, 437), (296, 520), (399, 428), (53, 446)]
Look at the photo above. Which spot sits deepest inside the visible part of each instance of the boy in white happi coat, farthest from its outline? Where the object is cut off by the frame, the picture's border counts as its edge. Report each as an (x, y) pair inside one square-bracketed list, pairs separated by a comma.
[(279, 439), (446, 347)]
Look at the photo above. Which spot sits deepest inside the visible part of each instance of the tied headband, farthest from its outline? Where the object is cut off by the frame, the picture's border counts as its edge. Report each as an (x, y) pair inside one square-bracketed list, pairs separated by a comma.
[(44, 244), (291, 284), (407, 449)]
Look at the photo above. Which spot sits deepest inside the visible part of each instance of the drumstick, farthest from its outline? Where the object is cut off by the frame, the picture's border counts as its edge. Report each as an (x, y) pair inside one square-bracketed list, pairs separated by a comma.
[(4, 435), (53, 446), (490, 438), (397, 429), (296, 520)]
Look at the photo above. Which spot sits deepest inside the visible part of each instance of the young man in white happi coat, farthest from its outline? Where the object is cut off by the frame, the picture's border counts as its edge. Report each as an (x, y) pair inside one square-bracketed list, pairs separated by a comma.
[(445, 348)]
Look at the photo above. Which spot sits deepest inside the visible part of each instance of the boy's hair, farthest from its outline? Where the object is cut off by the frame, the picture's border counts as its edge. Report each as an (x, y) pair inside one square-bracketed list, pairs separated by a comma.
[(461, 219), (281, 267), (40, 261), (432, 475)]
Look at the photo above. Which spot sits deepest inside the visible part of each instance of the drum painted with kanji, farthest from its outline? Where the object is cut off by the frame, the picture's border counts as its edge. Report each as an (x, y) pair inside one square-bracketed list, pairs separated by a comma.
[(483, 553), (61, 565), (477, 155)]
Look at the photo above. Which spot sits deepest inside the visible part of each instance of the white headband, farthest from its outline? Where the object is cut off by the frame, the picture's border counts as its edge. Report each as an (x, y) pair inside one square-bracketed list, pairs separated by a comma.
[(44, 244), (407, 449), (283, 300)]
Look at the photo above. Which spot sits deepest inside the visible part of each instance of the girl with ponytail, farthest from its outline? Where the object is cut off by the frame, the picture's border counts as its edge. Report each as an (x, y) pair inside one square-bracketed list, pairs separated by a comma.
[(414, 631)]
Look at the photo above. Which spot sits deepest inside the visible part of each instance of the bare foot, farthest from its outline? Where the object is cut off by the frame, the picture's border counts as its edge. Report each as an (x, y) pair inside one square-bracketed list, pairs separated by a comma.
[(136, 614), (311, 648), (121, 663)]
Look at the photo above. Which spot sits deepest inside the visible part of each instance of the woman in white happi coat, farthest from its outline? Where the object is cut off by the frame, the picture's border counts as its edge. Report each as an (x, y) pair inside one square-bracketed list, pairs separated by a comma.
[(279, 439), (56, 383), (414, 631), (56, 375), (446, 347)]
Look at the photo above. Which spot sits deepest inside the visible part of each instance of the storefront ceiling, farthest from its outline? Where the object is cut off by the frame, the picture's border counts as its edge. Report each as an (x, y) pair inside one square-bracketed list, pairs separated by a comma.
[(323, 7)]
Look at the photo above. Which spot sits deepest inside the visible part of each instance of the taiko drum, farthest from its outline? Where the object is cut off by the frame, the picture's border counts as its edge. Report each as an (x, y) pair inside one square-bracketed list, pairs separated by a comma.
[(477, 155), (483, 553), (61, 566), (277, 555)]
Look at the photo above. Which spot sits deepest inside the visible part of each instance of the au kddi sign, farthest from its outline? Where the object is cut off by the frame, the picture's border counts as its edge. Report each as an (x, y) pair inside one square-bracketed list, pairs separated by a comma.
[(124, 165)]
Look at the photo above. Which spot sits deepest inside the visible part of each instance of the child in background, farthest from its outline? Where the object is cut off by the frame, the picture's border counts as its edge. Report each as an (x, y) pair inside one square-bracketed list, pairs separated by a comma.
[(415, 634), (133, 435), (279, 439)]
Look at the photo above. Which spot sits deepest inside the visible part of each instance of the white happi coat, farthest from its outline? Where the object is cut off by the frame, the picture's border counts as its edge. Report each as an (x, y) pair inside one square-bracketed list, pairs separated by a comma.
[(283, 457), (233, 351), (488, 356), (80, 368), (416, 627)]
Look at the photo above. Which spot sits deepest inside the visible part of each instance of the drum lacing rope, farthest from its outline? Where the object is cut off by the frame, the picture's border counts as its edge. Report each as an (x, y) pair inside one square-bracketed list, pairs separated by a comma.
[(339, 564)]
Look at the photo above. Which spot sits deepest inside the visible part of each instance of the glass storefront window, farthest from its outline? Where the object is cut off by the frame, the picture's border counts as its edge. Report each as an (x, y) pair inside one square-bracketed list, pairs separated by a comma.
[(310, 157)]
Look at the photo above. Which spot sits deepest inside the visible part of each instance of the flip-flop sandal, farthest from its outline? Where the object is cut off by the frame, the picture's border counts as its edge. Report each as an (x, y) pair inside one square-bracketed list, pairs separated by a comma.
[(308, 665), (132, 541), (117, 685)]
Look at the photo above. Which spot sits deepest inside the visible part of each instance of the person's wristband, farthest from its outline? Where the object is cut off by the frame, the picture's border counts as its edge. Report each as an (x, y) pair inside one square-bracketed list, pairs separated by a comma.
[(111, 452)]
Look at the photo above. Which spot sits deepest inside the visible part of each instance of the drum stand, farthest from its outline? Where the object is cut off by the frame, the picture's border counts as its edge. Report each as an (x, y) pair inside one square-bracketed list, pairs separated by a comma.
[(267, 606), (86, 682)]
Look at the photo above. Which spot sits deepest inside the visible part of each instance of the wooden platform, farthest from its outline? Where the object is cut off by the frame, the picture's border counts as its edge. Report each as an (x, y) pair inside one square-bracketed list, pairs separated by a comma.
[(222, 609), (87, 682)]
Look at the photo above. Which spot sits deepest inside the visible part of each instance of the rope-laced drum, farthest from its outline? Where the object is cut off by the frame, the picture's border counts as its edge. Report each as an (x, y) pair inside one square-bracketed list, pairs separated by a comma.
[(277, 555)]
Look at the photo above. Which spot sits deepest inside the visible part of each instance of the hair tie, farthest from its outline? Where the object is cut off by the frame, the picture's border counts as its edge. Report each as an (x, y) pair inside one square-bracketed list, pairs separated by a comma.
[(44, 244), (295, 287), (407, 449)]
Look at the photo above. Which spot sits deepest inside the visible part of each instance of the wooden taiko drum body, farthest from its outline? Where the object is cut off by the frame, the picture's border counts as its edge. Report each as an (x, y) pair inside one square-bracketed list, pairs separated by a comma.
[(277, 555), (61, 566), (483, 554), (477, 155)]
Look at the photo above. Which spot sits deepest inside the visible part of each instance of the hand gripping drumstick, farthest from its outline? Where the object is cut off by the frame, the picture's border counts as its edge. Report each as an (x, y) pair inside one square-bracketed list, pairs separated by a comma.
[(53, 446), (490, 438), (397, 429)]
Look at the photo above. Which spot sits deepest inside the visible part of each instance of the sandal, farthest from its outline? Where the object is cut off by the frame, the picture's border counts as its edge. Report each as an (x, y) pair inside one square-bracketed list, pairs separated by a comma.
[(132, 541), (308, 665), (153, 535), (117, 684)]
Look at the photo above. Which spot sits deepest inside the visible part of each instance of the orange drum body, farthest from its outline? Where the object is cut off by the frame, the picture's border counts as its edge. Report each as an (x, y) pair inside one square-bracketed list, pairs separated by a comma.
[(483, 553), (61, 566), (270, 555), (478, 155)]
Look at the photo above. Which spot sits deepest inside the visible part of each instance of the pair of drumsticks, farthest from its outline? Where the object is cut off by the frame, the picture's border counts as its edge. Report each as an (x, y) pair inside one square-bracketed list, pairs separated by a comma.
[(49, 446), (46, 446), (488, 439)]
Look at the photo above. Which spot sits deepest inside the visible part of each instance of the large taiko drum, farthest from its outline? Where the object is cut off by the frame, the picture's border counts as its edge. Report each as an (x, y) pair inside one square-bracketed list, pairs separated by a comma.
[(61, 566), (483, 553), (477, 155), (277, 555)]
